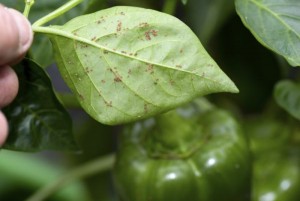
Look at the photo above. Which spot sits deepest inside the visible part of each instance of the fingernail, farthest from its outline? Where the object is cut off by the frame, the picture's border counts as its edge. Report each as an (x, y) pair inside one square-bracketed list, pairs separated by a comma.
[(24, 29)]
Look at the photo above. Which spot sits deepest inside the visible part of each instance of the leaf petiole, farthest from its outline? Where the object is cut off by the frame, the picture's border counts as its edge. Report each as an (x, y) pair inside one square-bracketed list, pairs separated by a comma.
[(56, 13), (28, 4)]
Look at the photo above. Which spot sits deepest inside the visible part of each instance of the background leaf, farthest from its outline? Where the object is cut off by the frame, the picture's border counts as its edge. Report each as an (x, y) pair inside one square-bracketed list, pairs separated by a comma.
[(206, 17), (127, 63), (184, 1), (37, 120), (21, 174), (287, 95), (275, 24)]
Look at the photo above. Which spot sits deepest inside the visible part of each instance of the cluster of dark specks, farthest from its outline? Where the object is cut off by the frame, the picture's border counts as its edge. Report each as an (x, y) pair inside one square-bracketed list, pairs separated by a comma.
[(150, 68), (143, 25), (102, 19), (81, 97), (129, 73), (151, 33), (108, 103), (117, 78), (146, 108), (119, 26), (88, 70)]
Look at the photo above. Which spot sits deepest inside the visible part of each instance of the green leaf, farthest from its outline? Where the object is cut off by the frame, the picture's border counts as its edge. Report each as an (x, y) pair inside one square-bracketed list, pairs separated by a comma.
[(36, 118), (287, 95), (126, 63), (206, 17), (275, 24)]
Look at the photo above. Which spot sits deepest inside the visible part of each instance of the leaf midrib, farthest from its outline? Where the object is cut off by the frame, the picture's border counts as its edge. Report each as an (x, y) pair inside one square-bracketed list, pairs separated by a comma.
[(53, 31), (264, 7)]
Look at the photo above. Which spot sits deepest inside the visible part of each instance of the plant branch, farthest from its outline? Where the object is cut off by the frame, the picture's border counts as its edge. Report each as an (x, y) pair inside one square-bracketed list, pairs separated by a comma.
[(99, 165), (28, 5), (56, 13), (169, 6)]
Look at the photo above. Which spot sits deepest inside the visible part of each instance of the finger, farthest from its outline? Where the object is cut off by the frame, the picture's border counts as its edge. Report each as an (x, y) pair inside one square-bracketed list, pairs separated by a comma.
[(15, 35), (9, 85), (3, 129)]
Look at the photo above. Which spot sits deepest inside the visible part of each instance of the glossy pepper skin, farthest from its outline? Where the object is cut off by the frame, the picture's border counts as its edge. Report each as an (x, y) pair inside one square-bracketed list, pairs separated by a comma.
[(186, 154), (276, 169)]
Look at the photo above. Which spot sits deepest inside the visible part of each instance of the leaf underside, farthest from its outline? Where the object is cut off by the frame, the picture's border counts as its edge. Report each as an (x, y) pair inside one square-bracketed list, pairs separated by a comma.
[(36, 118), (127, 63), (287, 95), (275, 24)]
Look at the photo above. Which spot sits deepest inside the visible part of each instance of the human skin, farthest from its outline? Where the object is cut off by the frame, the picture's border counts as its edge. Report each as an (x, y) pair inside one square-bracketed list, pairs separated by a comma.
[(15, 39)]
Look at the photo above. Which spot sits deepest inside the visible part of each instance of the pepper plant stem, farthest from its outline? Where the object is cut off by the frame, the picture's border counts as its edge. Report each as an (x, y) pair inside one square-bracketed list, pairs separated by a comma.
[(99, 165), (56, 13), (28, 4)]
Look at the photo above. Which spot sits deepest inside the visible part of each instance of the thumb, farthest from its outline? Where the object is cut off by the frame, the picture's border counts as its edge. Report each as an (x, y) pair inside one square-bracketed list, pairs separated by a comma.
[(15, 35)]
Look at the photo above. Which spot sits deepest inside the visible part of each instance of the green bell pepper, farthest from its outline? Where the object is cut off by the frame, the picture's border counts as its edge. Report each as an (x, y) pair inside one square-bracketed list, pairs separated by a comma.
[(276, 169), (186, 154)]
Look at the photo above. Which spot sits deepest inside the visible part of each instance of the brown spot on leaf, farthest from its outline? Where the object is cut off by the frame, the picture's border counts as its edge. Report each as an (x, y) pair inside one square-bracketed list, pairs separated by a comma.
[(123, 52), (122, 13), (105, 52), (103, 81), (150, 68), (118, 78), (119, 26), (151, 33), (88, 70), (81, 97), (108, 103), (94, 38), (178, 66), (146, 108), (143, 25)]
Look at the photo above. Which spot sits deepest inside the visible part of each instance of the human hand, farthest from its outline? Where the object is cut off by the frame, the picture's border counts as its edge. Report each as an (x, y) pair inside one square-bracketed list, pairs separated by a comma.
[(15, 39)]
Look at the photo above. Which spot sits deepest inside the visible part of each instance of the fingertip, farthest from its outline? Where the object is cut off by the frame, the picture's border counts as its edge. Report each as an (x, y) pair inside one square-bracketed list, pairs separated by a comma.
[(24, 29), (3, 128), (15, 36)]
